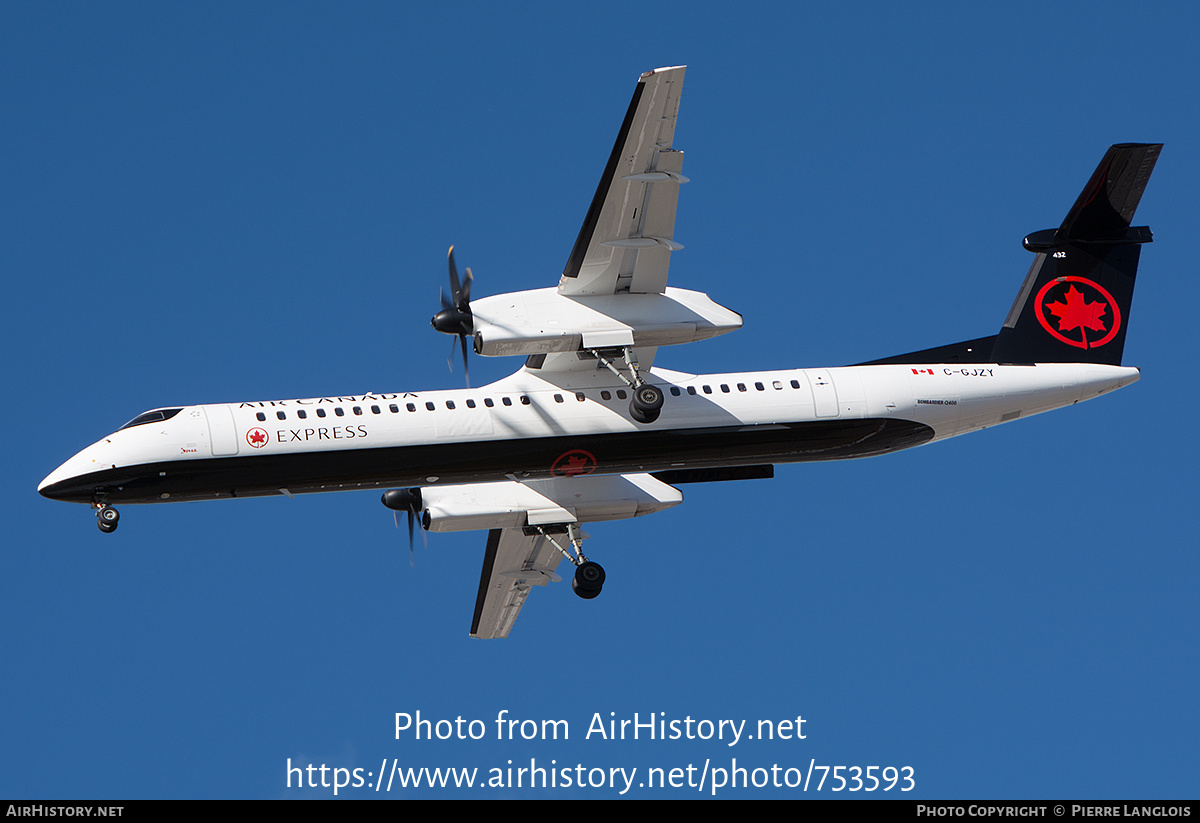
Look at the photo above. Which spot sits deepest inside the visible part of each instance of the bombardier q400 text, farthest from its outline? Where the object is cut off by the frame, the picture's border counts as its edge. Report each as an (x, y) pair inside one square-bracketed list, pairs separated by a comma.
[(589, 430)]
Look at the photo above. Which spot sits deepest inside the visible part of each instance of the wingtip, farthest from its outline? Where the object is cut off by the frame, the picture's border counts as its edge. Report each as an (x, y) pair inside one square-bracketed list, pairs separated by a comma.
[(661, 70)]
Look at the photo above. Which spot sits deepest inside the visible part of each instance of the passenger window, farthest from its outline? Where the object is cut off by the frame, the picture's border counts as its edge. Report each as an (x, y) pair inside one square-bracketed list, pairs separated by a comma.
[(339, 411), (302, 414), (394, 409), (450, 404), (558, 398), (281, 415), (506, 401), (620, 394), (691, 389), (430, 406), (487, 401), (778, 384), (760, 387), (374, 410), (741, 386), (580, 396), (675, 391), (606, 395), (795, 384), (410, 406), (708, 389), (470, 404), (357, 409), (524, 400), (725, 388), (320, 412), (261, 417)]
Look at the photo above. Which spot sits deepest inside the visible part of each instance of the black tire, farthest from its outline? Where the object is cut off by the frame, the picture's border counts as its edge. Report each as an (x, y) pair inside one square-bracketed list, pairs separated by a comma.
[(107, 514), (586, 594), (106, 527), (588, 580), (646, 404)]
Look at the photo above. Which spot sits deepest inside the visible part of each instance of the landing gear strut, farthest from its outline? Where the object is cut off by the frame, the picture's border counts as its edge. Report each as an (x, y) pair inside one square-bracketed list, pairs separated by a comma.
[(589, 576), (106, 517), (647, 401)]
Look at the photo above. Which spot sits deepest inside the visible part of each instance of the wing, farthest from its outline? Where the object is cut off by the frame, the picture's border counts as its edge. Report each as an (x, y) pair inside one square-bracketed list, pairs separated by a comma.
[(627, 238), (519, 555), (512, 564)]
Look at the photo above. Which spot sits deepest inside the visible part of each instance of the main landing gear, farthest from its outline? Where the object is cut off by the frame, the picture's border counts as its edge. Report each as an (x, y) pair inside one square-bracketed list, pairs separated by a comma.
[(588, 580), (647, 402), (106, 517), (589, 576)]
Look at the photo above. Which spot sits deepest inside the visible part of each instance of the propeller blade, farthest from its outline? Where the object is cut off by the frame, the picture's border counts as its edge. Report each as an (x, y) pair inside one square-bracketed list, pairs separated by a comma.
[(455, 317), (462, 338), (411, 559), (408, 500), (455, 288)]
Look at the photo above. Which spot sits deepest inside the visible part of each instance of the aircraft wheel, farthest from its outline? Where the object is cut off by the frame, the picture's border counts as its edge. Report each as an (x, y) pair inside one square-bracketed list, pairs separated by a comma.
[(648, 398), (108, 514), (588, 580), (646, 404), (106, 526)]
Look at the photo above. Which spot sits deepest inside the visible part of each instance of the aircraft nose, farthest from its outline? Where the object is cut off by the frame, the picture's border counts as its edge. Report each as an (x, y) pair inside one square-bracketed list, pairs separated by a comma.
[(49, 487), (66, 483)]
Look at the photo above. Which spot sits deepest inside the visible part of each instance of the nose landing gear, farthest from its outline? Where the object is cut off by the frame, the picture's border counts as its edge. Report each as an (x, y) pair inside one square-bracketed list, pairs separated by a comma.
[(106, 517)]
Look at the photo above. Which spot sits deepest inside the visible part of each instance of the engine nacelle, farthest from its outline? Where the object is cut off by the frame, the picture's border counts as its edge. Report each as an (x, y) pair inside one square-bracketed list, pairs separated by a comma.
[(511, 505), (542, 321)]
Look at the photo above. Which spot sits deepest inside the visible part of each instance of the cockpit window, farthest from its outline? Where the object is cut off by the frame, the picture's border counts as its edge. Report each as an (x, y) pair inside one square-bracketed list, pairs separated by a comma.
[(151, 417)]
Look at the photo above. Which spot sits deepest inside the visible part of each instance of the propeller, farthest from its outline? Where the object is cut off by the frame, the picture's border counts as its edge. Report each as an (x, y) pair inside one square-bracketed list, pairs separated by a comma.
[(408, 500), (455, 316)]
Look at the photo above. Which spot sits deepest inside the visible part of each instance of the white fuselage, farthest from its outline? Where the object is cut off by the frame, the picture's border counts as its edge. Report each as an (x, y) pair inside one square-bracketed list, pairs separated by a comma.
[(426, 438)]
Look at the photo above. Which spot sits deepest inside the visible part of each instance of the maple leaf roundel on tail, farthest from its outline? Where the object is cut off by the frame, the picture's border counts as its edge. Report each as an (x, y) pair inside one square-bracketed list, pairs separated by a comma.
[(1078, 311)]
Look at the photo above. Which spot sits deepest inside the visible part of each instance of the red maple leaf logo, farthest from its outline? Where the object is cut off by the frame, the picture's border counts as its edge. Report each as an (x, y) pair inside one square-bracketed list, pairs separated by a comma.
[(1077, 313), (256, 438), (573, 464)]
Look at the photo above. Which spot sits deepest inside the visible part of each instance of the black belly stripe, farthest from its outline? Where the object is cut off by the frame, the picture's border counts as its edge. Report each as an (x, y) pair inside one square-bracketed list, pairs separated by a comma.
[(533, 458)]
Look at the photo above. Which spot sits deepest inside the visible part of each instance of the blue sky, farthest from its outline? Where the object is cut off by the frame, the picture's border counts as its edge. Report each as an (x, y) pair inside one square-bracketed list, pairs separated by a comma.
[(225, 202)]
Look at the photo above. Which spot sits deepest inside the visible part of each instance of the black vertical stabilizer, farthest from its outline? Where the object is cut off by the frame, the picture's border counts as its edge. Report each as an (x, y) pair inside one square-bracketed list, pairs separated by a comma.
[(1074, 304)]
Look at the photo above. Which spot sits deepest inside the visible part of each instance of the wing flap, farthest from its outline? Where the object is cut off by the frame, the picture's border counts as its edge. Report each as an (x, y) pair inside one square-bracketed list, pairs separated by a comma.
[(513, 563), (628, 233)]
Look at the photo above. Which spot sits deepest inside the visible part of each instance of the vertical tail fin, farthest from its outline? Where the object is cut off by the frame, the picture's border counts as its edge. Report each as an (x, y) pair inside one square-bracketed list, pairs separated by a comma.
[(1074, 304)]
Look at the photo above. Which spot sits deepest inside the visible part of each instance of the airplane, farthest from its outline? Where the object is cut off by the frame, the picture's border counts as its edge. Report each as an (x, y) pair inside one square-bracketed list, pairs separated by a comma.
[(590, 429)]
